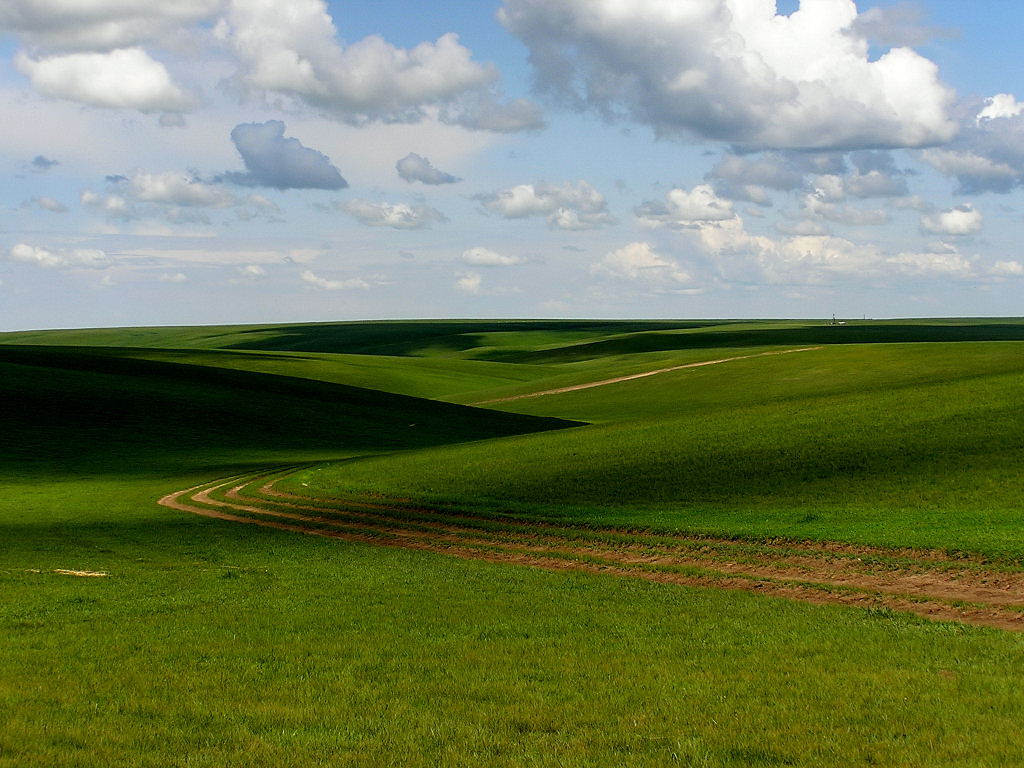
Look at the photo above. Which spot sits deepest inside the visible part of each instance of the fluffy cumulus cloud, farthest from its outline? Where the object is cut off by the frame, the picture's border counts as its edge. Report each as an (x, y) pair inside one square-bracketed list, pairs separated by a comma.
[(295, 52), (176, 197), (88, 258), (684, 208), (816, 259), (101, 25), (113, 206), (956, 222), (126, 78), (98, 52), (271, 160), (988, 155), (176, 189), (485, 257), (415, 167), (570, 206), (750, 177), (734, 70), (393, 215), (316, 281), (874, 174), (1002, 105), (800, 259), (640, 262)]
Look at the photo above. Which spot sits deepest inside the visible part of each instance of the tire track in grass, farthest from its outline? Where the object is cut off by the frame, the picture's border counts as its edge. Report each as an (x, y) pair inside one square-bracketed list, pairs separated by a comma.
[(934, 585), (645, 374)]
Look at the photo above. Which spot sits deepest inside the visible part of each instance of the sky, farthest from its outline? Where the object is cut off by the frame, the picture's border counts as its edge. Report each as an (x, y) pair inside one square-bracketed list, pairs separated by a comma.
[(251, 161)]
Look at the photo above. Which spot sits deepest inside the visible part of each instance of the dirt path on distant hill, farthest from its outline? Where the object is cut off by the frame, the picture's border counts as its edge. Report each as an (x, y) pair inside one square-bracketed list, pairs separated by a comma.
[(931, 584), (606, 382)]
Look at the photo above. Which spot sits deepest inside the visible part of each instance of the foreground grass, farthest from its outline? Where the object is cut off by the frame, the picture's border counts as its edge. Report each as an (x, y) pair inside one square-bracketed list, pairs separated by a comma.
[(210, 644)]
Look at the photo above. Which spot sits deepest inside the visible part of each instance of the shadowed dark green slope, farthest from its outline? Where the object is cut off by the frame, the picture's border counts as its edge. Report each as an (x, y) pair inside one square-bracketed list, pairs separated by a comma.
[(388, 337), (718, 338), (530, 341), (67, 409)]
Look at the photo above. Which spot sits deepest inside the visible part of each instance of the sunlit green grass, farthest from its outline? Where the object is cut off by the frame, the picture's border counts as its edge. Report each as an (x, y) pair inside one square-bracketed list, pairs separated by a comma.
[(890, 446), (211, 643)]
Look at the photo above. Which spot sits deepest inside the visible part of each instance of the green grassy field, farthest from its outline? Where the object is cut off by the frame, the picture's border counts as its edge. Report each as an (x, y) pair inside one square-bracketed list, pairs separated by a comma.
[(210, 643)]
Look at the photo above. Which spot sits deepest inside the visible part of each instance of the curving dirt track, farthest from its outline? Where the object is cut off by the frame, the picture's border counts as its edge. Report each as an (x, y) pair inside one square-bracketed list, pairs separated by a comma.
[(931, 584), (644, 375)]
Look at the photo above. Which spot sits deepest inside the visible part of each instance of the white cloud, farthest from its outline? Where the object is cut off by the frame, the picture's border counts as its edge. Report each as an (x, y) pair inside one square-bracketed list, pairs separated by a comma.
[(684, 209), (1002, 105), (974, 171), (801, 259), (959, 221), (415, 167), (126, 78), (394, 215), (569, 207), (468, 282), (817, 206), (173, 277), (988, 155), (819, 259), (252, 271), (48, 204), (484, 257), (874, 183), (177, 189), (296, 53), (89, 258), (113, 206), (734, 70), (639, 261), (1008, 269), (323, 283), (101, 24), (745, 177), (174, 196), (933, 264)]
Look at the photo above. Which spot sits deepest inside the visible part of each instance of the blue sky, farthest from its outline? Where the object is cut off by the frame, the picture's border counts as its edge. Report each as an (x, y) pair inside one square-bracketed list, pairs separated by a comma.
[(209, 161)]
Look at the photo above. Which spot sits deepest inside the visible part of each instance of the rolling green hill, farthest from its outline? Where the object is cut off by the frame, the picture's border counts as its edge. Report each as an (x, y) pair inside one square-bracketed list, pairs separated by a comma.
[(92, 409), (205, 642)]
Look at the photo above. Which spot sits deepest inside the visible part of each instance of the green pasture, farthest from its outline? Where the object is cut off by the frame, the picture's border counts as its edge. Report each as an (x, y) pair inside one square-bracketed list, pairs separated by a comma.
[(211, 643)]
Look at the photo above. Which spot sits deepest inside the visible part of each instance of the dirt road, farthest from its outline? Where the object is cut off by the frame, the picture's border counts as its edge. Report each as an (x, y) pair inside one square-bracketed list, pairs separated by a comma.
[(931, 584), (645, 374)]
